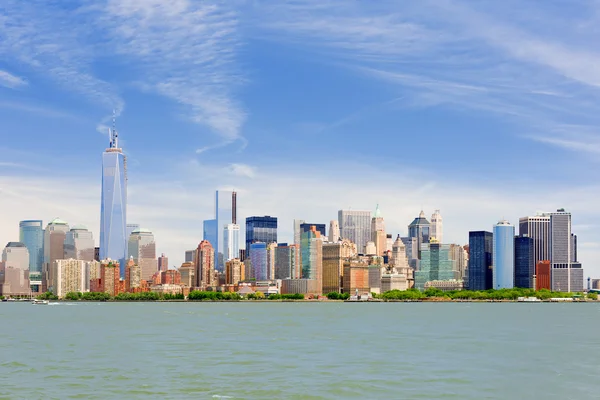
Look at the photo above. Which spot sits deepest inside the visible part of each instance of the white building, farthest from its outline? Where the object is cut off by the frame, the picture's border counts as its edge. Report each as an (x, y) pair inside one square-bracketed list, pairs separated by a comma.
[(298, 231), (142, 248), (393, 281), (437, 226), (79, 243), (567, 276), (355, 226), (334, 231), (16, 255), (70, 276), (537, 228), (231, 241)]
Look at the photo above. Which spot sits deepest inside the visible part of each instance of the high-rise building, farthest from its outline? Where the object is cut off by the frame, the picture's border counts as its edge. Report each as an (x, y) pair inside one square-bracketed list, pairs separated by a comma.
[(142, 248), (188, 277), (190, 256), (130, 228), (480, 271), (334, 255), (538, 229), (503, 259), (356, 227), (79, 244), (311, 250), (399, 260), (437, 226), (16, 255), (113, 210), (258, 258), (542, 275), (436, 264), (524, 262), (14, 282), (205, 265), (260, 229), (163, 263), (378, 235), (287, 261), (225, 212), (420, 229), (271, 251), (298, 231), (566, 275), (461, 259), (233, 271), (109, 277), (31, 234), (305, 227), (209, 231), (231, 242), (133, 276), (54, 248), (70, 276), (411, 244), (574, 248), (334, 231), (356, 277), (389, 242)]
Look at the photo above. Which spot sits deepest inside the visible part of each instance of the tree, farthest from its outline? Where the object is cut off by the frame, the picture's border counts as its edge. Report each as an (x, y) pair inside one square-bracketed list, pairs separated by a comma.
[(592, 296)]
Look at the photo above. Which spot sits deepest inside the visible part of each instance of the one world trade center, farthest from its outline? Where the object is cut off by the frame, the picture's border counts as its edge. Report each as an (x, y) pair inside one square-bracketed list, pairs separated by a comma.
[(113, 240)]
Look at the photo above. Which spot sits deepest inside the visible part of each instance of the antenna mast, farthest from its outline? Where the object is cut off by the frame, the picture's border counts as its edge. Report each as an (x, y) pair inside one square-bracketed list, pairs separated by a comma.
[(114, 136)]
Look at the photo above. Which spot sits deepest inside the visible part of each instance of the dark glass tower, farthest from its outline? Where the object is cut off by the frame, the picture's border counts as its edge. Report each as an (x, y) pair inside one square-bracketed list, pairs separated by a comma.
[(480, 260), (420, 229), (524, 262), (306, 228), (260, 229)]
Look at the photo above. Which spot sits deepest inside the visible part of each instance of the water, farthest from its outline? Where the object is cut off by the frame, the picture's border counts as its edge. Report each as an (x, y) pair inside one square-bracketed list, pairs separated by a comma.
[(299, 351)]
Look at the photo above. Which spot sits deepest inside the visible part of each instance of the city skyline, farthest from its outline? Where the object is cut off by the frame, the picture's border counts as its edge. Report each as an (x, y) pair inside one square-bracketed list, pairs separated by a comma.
[(418, 137)]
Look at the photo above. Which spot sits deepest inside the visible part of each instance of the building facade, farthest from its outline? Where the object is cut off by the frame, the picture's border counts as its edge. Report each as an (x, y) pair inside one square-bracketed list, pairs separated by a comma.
[(311, 250), (231, 242), (31, 234), (234, 272), (54, 248), (503, 259), (356, 227), (79, 244), (163, 263), (437, 226), (334, 231), (142, 248), (205, 265), (378, 235), (524, 262), (16, 255), (480, 271), (113, 208), (260, 229), (436, 264), (70, 276), (258, 258), (420, 229), (334, 256), (561, 253), (543, 275), (537, 228), (287, 261), (356, 277)]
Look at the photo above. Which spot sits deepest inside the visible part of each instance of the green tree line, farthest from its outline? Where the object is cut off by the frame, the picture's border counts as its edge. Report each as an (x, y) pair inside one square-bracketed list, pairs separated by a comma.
[(501, 294)]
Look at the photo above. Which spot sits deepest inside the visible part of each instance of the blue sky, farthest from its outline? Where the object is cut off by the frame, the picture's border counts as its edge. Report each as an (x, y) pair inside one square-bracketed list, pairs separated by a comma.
[(483, 109)]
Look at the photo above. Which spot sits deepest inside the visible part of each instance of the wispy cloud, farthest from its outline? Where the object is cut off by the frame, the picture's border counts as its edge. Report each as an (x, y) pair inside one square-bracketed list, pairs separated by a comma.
[(11, 81)]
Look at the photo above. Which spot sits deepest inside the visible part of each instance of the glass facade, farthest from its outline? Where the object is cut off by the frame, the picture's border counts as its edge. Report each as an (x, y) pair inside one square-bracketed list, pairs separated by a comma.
[(231, 242), (113, 211), (436, 264), (209, 231), (480, 260), (260, 229), (31, 234), (356, 227), (311, 255), (305, 227), (504, 256), (224, 216), (524, 262), (419, 229), (258, 259)]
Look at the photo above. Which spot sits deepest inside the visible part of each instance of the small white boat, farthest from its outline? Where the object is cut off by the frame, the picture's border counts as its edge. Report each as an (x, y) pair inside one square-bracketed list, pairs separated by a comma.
[(36, 301)]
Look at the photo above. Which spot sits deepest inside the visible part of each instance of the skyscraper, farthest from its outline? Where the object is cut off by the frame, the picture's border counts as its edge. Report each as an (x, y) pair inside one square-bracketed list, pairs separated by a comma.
[(79, 244), (260, 229), (524, 262), (113, 210), (271, 251), (503, 256), (480, 260), (231, 242), (334, 231), (31, 234), (54, 248), (356, 227), (287, 260), (437, 227), (224, 214), (205, 265), (298, 231), (163, 263), (305, 227), (209, 231), (420, 229), (436, 264), (566, 275), (334, 255), (311, 250), (258, 258), (142, 248), (16, 255), (378, 235), (538, 229)]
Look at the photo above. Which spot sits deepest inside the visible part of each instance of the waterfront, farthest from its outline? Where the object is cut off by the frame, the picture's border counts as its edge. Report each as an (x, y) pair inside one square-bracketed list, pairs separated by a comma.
[(299, 350)]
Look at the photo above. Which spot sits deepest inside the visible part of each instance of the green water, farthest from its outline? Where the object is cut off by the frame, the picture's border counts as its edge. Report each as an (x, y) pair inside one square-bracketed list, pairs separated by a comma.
[(299, 351)]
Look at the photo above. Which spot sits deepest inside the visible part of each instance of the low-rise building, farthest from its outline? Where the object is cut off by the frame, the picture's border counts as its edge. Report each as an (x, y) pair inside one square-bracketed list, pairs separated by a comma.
[(445, 285)]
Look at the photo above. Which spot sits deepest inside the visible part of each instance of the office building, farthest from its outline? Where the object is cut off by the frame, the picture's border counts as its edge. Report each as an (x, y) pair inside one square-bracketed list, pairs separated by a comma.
[(287, 261), (334, 231), (298, 231), (574, 248), (163, 263), (311, 250), (231, 242), (14, 282), (503, 259), (190, 256), (393, 281), (130, 228), (113, 209), (79, 244), (70, 276), (16, 255), (356, 277), (258, 258), (435, 265), (356, 227), (480, 260), (225, 213), (260, 229), (302, 286), (461, 261), (524, 262), (305, 227), (234, 272), (209, 231), (537, 228), (133, 276), (109, 281), (334, 256), (188, 276), (31, 234), (543, 275), (419, 229), (205, 265), (389, 241), (142, 248), (54, 248), (271, 251), (378, 235), (411, 245), (566, 276), (437, 226)]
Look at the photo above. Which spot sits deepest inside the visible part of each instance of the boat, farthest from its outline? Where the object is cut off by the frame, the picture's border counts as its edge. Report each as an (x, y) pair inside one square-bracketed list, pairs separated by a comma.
[(8, 299), (40, 302)]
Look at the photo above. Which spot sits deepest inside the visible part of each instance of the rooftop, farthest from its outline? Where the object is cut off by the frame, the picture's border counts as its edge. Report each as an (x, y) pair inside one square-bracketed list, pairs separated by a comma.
[(58, 221), (15, 244)]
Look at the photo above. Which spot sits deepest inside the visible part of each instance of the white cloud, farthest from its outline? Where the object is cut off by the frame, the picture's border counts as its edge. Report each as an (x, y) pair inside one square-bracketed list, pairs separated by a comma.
[(11, 81)]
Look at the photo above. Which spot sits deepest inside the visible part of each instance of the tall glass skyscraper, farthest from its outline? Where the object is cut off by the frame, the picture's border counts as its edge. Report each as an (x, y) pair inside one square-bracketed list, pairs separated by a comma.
[(480, 260), (524, 262), (225, 214), (31, 234), (504, 255), (231, 242), (113, 211), (260, 229), (355, 226), (258, 259)]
